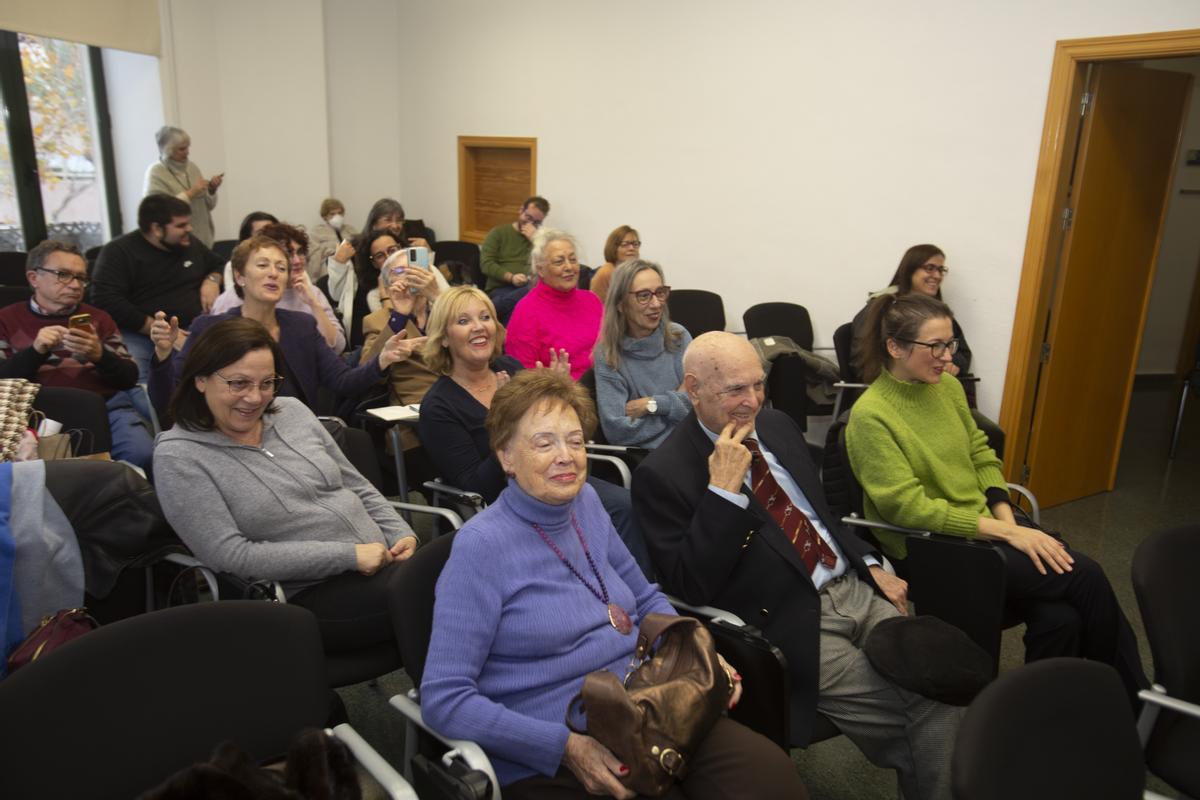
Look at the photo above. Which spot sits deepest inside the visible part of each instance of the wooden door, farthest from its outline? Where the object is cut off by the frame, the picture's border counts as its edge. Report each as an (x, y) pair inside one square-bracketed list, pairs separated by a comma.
[(1118, 201)]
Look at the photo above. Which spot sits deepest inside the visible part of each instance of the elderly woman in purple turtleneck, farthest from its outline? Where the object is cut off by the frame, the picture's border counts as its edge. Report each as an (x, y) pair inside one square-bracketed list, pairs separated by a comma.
[(538, 592)]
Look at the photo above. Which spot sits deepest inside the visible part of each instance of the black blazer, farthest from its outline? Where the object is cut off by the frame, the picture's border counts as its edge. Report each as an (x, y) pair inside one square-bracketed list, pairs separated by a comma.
[(710, 552)]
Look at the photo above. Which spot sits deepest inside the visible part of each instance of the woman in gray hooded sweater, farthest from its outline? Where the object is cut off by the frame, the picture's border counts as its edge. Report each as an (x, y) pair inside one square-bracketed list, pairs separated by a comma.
[(257, 487), (639, 359)]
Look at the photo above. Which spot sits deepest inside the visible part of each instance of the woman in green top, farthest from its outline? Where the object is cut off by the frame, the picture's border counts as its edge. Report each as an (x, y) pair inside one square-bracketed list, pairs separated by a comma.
[(924, 464)]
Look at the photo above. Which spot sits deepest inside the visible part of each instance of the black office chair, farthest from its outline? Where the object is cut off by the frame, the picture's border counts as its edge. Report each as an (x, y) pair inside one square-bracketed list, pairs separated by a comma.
[(14, 294), (1056, 728), (224, 248), (77, 410), (12, 268), (697, 310), (417, 227), (120, 709), (779, 319), (467, 254), (1168, 596), (959, 580), (787, 389), (1191, 383)]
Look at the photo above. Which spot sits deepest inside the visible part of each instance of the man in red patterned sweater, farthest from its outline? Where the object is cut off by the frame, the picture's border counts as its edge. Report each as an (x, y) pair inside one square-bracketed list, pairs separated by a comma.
[(38, 342)]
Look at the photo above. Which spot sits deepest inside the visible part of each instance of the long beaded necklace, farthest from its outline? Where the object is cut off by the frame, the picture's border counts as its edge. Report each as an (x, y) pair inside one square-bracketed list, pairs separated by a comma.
[(617, 616)]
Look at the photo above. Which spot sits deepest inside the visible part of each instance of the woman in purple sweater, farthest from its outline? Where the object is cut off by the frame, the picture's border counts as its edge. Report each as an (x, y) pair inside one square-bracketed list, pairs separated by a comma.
[(538, 592), (556, 320)]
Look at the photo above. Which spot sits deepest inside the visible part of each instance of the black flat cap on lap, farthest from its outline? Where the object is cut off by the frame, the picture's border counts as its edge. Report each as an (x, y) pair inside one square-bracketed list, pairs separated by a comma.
[(930, 657)]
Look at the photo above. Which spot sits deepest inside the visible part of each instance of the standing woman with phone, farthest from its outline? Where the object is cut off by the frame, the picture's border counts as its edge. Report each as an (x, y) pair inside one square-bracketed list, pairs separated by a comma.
[(175, 175)]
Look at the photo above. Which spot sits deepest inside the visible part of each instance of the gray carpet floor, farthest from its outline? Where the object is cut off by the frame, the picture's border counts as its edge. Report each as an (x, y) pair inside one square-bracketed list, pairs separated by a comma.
[(1151, 493)]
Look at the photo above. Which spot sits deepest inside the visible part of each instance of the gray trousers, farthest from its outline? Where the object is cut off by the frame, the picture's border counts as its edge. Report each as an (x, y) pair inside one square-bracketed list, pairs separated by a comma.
[(894, 728)]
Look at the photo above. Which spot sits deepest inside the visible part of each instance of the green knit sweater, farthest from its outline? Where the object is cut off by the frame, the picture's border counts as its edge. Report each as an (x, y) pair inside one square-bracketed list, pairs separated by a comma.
[(504, 250), (920, 458)]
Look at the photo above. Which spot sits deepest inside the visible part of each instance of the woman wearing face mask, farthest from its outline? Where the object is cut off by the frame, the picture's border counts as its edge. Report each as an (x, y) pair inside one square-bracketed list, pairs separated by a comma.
[(924, 464), (326, 235), (174, 174), (639, 359), (261, 269)]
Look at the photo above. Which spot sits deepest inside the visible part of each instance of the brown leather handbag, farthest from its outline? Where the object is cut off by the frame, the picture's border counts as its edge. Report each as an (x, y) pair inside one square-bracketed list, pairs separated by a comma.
[(667, 706)]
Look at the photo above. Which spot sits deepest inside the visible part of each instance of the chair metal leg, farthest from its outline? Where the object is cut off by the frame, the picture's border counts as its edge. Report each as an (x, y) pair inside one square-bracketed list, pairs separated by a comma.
[(1178, 421)]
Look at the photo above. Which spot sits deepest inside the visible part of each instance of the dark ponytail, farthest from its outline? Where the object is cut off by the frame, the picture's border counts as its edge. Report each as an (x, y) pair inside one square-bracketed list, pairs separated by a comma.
[(891, 316)]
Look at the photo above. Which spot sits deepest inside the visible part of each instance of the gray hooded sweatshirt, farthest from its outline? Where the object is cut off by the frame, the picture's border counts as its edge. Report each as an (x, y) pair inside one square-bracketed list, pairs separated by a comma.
[(291, 510)]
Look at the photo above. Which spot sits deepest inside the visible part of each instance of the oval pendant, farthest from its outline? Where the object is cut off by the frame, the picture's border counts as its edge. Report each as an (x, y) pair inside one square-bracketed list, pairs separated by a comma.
[(619, 619)]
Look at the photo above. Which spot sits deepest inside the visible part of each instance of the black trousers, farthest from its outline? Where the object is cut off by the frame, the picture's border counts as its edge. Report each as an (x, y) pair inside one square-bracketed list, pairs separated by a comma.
[(352, 608), (1073, 614), (732, 762)]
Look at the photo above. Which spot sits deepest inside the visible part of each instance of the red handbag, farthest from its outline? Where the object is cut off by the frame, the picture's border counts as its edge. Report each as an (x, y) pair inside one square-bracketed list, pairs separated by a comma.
[(55, 631)]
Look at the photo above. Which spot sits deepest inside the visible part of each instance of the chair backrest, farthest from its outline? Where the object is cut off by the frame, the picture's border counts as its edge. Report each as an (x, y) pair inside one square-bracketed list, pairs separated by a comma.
[(14, 294), (77, 409), (1168, 597), (118, 710), (416, 596), (224, 248), (466, 253), (779, 319), (12, 268), (843, 493), (1056, 728), (697, 310), (843, 345), (787, 387)]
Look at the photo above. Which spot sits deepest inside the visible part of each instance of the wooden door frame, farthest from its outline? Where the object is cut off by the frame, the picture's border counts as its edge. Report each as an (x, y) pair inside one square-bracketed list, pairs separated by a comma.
[(1045, 227)]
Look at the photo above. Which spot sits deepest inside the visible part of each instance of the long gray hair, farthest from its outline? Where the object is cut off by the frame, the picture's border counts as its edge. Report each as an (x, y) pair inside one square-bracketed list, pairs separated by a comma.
[(616, 322)]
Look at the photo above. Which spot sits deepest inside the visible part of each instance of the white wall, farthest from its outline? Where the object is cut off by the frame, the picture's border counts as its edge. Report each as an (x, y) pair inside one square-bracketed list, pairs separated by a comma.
[(769, 149), (1179, 254), (367, 97), (248, 80), (135, 106)]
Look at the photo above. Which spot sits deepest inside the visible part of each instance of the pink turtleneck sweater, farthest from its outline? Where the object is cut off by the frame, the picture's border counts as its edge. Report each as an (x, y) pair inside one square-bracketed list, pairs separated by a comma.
[(548, 318)]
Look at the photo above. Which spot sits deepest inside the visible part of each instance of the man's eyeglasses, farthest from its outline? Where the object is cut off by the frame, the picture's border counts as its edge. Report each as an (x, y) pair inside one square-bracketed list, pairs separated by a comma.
[(934, 269), (643, 297), (382, 255), (64, 277), (243, 385), (936, 349)]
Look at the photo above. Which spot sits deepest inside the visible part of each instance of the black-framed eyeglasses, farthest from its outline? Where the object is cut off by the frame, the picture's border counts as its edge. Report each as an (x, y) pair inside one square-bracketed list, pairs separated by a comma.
[(243, 385), (382, 255), (935, 269), (936, 349), (634, 243), (643, 297), (64, 277)]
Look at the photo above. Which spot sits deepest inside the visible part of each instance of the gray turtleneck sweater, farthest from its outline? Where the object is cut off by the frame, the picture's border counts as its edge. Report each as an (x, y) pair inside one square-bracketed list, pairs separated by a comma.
[(647, 369)]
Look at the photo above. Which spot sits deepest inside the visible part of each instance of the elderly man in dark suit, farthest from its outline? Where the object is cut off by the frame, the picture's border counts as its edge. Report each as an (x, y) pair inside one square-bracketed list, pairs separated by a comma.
[(733, 514)]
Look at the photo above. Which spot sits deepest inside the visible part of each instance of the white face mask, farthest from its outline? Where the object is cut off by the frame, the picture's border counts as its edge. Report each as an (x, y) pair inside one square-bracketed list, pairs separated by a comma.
[(336, 220)]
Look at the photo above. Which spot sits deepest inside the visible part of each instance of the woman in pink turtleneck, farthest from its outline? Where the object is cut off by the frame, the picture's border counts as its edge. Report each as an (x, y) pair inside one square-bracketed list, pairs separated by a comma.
[(556, 322)]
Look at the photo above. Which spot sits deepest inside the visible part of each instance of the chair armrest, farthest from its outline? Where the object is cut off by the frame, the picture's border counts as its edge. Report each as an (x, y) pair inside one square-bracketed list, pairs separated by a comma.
[(155, 426), (621, 467), (1035, 511), (471, 498), (469, 751), (1155, 700), (191, 562), (384, 774), (454, 519), (849, 385), (617, 449), (707, 612)]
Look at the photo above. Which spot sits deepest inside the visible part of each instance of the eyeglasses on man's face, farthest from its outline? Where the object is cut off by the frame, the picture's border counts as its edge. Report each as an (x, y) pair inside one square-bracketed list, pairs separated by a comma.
[(936, 349), (643, 297), (242, 385), (65, 277)]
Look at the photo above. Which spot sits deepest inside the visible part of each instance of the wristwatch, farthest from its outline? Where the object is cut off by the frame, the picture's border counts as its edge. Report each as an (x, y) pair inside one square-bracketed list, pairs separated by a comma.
[(651, 406)]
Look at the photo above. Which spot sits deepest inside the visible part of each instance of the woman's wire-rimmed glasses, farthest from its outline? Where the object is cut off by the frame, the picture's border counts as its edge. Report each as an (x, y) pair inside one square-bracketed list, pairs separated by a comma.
[(242, 385)]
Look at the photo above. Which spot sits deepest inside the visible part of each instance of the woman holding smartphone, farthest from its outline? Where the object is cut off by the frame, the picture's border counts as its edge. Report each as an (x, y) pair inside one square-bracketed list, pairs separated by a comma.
[(260, 269)]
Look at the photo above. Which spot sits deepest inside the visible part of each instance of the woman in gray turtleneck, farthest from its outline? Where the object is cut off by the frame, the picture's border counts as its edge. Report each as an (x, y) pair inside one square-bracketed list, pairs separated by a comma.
[(639, 359)]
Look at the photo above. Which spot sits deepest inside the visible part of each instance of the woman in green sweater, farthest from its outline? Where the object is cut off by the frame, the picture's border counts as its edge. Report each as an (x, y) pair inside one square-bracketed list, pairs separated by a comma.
[(924, 464)]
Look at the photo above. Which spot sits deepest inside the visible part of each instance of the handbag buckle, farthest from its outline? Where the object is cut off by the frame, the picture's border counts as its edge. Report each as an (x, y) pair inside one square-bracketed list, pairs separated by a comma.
[(670, 759)]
